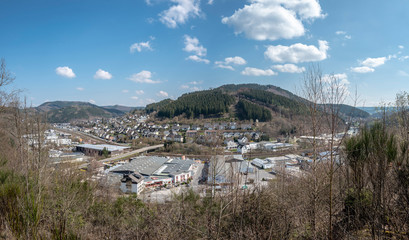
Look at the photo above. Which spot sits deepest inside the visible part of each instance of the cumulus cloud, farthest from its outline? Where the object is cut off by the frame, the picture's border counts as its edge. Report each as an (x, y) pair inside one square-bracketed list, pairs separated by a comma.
[(134, 97), (198, 59), (374, 62), (80, 89), (180, 12), (162, 94), (140, 46), (142, 77), (210, 2), (225, 66), (65, 72), (230, 60), (401, 47), (362, 69), (249, 71), (368, 65), (297, 53), (101, 74), (91, 101), (192, 45), (184, 86), (289, 68), (139, 92), (274, 19)]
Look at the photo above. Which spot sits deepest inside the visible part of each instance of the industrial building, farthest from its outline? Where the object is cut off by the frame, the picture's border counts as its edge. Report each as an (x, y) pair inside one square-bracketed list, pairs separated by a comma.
[(155, 171), (93, 150)]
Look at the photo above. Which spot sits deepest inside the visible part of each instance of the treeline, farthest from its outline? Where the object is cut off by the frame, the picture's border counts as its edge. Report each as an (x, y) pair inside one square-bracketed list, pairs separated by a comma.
[(156, 106), (349, 111), (247, 111), (276, 102), (206, 103)]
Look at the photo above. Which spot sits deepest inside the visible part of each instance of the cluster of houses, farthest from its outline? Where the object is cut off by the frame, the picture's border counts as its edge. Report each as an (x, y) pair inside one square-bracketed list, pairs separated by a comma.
[(131, 127)]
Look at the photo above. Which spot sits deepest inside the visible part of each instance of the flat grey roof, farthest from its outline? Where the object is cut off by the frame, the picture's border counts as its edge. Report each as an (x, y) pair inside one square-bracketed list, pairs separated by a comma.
[(175, 166), (145, 165), (100, 147)]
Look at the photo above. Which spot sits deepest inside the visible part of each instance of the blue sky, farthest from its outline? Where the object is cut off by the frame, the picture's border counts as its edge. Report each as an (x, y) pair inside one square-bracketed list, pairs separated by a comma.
[(136, 52)]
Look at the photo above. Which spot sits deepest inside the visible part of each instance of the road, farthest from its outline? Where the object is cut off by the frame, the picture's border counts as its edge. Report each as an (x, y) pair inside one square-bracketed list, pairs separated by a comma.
[(126, 155)]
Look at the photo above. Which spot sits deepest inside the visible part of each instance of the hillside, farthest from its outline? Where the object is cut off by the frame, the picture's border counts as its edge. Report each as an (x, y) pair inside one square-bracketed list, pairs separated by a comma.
[(123, 109), (67, 111), (243, 101)]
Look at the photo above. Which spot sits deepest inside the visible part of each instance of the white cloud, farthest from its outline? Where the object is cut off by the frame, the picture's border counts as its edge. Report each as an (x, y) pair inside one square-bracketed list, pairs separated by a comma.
[(274, 19), (297, 52), (374, 62), (249, 71), (134, 97), (184, 86), (362, 69), (125, 91), (65, 72), (401, 47), (80, 89), (91, 101), (194, 88), (142, 77), (101, 74), (139, 92), (225, 66), (230, 60), (192, 45), (140, 46), (198, 59), (289, 68), (340, 32), (210, 2), (162, 94), (180, 12)]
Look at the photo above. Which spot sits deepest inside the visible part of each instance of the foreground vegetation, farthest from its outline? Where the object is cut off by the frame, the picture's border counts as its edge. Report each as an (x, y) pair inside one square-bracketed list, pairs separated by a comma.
[(370, 199), (362, 195)]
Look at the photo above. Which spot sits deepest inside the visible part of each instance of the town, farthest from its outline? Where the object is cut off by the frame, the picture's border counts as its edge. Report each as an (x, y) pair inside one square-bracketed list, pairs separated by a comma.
[(113, 151)]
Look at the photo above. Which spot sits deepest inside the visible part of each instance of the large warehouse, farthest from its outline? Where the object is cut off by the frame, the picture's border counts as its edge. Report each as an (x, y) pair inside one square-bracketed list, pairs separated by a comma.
[(92, 150), (158, 171)]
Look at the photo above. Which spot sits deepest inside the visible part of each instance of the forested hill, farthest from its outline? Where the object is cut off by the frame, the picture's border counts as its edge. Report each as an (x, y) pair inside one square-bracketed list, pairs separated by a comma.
[(67, 111), (243, 101)]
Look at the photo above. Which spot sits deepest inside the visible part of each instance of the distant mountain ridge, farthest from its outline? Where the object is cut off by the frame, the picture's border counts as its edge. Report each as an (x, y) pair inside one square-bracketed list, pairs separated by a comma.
[(68, 111), (244, 101)]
